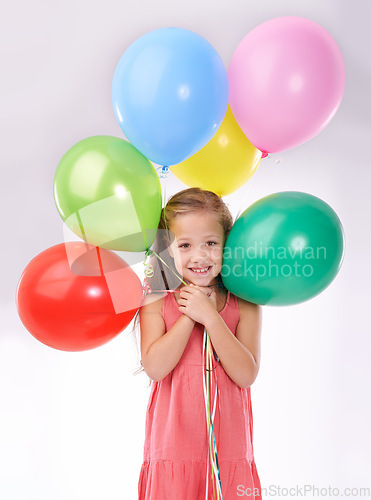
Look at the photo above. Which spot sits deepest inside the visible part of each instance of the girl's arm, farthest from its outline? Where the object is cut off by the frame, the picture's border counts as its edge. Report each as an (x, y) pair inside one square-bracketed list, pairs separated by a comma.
[(239, 354), (161, 351)]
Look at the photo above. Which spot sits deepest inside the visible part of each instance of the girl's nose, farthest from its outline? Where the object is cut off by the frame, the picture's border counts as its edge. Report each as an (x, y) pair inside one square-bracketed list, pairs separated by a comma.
[(200, 255)]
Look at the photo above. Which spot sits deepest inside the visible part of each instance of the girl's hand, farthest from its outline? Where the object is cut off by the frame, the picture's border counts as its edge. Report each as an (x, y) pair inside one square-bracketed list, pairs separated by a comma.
[(195, 303)]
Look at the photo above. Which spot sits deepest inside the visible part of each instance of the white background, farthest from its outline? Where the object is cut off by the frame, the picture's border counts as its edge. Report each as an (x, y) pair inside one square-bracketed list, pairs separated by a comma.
[(72, 424)]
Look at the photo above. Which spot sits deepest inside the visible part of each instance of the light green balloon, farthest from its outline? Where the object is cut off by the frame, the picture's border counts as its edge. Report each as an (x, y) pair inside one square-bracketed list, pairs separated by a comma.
[(284, 249), (109, 194)]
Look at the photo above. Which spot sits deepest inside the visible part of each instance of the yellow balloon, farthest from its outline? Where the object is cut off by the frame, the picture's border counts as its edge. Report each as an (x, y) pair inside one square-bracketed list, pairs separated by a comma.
[(225, 164)]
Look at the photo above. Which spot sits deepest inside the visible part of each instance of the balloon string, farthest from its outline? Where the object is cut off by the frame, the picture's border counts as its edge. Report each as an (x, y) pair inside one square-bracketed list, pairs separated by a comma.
[(88, 244), (246, 192), (207, 374), (167, 230), (207, 383), (145, 239), (162, 175), (100, 261), (209, 389), (176, 274), (242, 204), (82, 229), (214, 447), (165, 170)]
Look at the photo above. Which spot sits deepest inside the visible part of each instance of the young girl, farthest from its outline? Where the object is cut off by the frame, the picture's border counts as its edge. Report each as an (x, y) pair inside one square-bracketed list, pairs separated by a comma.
[(176, 461)]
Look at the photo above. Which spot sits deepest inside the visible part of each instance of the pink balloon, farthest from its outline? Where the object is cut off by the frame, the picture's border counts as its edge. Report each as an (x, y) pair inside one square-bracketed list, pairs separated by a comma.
[(286, 82)]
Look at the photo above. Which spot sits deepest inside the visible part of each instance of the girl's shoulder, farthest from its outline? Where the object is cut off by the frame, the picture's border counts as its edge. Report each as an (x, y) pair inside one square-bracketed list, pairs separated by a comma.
[(245, 307), (152, 302)]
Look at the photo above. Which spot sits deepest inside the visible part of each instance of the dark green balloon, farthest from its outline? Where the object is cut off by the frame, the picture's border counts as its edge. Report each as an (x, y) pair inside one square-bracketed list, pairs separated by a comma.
[(284, 249), (109, 194)]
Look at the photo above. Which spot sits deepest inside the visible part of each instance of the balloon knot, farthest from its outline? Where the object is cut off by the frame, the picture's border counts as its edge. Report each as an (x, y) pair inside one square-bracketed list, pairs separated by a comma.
[(162, 171)]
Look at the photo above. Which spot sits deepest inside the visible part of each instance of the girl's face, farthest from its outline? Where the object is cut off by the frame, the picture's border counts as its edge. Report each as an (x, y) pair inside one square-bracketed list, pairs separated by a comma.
[(197, 248)]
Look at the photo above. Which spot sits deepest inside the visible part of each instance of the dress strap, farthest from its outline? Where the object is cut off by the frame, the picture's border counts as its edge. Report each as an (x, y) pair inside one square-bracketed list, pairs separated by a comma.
[(231, 311)]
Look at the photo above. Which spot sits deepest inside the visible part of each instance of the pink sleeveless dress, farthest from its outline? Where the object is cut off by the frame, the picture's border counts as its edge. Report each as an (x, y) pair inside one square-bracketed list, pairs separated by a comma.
[(176, 449)]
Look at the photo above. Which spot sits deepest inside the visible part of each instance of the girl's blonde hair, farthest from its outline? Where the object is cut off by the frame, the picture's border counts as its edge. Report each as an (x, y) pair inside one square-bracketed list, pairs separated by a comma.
[(187, 201)]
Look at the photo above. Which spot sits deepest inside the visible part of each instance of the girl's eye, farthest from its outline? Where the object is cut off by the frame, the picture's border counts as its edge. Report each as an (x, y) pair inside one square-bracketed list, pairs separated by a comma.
[(183, 245), (213, 242)]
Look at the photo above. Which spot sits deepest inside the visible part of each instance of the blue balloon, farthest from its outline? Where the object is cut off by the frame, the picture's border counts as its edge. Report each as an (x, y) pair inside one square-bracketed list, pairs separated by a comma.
[(170, 94)]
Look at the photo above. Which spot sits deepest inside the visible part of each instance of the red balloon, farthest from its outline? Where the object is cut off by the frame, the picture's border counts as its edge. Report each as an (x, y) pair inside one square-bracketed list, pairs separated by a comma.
[(75, 296)]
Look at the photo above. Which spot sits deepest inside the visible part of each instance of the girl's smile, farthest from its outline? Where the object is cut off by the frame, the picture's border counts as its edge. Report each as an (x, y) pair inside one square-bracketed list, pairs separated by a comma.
[(201, 271)]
